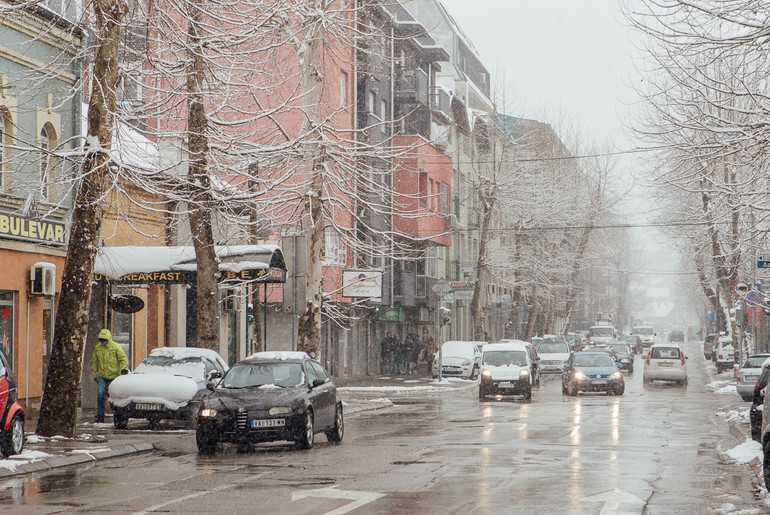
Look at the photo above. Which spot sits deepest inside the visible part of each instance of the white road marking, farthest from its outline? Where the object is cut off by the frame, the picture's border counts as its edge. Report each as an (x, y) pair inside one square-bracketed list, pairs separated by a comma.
[(612, 500), (359, 498)]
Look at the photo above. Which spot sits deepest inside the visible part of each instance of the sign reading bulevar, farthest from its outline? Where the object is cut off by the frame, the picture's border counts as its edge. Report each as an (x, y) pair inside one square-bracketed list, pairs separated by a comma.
[(27, 228)]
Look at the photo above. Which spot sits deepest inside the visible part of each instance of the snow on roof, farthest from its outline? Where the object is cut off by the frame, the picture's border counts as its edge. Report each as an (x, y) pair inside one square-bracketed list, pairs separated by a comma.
[(280, 355), (187, 352), (133, 150), (114, 262)]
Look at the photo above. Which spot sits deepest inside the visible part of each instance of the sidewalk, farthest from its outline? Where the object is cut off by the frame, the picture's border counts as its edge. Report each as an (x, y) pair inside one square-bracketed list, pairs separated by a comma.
[(95, 442)]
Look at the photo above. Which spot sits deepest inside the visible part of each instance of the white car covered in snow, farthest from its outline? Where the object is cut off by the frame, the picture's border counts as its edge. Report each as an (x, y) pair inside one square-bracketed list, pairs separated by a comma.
[(553, 355), (168, 384)]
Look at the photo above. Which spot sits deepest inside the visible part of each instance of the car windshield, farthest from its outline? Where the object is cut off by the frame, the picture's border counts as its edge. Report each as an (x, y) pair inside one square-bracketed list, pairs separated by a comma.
[(601, 331), (188, 366), (754, 362), (250, 375), (621, 348), (499, 358), (644, 331), (553, 348), (665, 353), (593, 360)]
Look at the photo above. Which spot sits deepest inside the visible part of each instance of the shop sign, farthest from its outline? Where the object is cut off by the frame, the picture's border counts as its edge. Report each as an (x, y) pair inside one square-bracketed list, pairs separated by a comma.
[(189, 277), (362, 283), (32, 229), (391, 315)]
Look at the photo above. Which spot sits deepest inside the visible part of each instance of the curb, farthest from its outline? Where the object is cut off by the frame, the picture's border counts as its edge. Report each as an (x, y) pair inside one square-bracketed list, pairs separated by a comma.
[(76, 458)]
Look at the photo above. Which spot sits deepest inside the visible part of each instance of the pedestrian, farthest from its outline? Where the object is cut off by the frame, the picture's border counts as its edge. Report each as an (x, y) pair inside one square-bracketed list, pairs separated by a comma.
[(431, 348), (399, 355), (109, 361), (386, 349), (415, 352)]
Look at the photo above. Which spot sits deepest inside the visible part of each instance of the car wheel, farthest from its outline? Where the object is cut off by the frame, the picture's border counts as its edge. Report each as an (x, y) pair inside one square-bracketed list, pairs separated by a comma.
[(538, 381), (756, 432), (564, 389), (647, 380), (572, 390), (207, 443), (744, 397), (475, 372), (337, 431), (13, 442), (620, 390), (154, 423), (481, 394), (119, 419), (304, 439), (528, 394)]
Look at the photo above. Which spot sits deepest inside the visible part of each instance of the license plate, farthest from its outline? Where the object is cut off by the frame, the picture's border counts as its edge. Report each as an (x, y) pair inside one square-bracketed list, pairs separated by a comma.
[(148, 406), (751, 378), (599, 381), (505, 384), (664, 364), (270, 422)]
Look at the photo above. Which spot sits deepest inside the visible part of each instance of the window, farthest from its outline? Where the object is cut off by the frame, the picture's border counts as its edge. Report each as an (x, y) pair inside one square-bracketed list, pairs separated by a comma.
[(6, 325), (423, 185), (372, 100), (47, 163), (431, 262), (383, 110), (335, 252), (343, 89)]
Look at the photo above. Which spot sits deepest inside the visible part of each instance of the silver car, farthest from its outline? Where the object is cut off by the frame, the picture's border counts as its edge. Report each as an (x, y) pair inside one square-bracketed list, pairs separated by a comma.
[(459, 359), (749, 374)]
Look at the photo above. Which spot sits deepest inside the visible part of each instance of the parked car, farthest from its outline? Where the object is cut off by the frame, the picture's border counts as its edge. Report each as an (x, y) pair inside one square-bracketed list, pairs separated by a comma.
[(676, 336), (623, 355), (724, 354), (459, 359), (758, 401), (12, 416), (168, 384), (592, 371), (748, 375), (553, 355), (708, 345), (506, 370), (665, 362), (267, 397)]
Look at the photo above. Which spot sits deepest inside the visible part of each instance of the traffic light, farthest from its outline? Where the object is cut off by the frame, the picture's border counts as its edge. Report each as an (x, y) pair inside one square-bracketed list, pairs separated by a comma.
[(250, 313), (445, 315)]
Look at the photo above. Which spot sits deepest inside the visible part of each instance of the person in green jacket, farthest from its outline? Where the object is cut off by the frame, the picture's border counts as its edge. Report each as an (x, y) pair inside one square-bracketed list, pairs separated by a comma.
[(109, 362)]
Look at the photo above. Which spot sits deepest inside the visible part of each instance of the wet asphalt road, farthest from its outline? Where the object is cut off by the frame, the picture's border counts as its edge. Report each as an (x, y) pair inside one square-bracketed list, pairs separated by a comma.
[(653, 450)]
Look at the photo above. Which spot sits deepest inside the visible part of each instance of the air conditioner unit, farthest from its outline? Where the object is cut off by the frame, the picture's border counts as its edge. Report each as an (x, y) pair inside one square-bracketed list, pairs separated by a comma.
[(42, 279), (453, 221)]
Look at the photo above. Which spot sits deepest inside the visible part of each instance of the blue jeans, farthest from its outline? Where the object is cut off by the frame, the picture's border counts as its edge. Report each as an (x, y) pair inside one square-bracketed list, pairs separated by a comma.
[(103, 384)]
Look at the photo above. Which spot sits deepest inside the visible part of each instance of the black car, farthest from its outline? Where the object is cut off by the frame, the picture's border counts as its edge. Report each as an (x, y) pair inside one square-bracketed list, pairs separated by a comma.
[(592, 371), (623, 355), (271, 396)]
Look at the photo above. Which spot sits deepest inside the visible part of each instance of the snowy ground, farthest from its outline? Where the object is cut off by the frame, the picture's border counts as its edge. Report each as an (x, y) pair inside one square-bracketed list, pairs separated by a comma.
[(30, 456)]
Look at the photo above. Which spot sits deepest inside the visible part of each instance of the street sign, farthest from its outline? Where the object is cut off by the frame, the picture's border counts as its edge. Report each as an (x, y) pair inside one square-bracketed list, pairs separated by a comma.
[(441, 287), (741, 288), (763, 261), (754, 298)]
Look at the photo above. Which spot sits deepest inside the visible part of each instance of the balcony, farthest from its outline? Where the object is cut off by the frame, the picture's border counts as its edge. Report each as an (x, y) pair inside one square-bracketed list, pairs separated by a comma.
[(411, 86)]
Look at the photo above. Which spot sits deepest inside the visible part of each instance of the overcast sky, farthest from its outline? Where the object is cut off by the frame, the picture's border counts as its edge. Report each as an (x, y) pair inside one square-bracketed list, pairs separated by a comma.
[(558, 57)]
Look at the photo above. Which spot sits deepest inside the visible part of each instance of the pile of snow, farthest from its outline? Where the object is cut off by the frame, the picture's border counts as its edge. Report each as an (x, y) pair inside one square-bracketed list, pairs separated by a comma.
[(392, 389), (731, 509), (722, 387), (745, 452), (733, 415), (25, 457)]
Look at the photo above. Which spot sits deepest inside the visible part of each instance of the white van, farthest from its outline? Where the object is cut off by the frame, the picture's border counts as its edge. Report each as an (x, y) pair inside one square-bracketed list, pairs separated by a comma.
[(601, 334)]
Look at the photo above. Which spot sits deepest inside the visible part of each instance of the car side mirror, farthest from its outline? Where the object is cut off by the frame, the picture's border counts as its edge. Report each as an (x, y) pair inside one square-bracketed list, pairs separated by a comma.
[(214, 374), (565, 366), (211, 385), (318, 382)]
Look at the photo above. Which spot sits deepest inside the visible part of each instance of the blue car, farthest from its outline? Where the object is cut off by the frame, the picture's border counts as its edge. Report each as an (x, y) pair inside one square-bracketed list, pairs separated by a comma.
[(592, 371)]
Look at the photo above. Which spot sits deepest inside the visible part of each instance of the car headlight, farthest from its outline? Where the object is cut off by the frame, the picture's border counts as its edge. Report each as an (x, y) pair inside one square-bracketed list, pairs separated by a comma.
[(524, 373), (466, 362), (486, 373), (616, 375), (279, 410), (580, 376), (208, 413)]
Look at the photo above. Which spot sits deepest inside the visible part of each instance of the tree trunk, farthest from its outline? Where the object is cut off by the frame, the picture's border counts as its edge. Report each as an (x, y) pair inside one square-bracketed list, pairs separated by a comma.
[(487, 202), (309, 330), (58, 409), (202, 203)]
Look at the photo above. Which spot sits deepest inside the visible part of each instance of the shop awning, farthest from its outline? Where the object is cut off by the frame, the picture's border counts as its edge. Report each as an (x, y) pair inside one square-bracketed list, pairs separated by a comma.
[(176, 265)]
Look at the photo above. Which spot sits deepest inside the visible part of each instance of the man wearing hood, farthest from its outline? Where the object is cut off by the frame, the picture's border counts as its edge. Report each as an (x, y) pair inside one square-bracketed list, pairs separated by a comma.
[(109, 362)]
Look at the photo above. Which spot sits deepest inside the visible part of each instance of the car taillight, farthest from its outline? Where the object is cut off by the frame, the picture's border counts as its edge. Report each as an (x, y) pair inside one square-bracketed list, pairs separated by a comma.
[(648, 357), (681, 354), (721, 357)]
